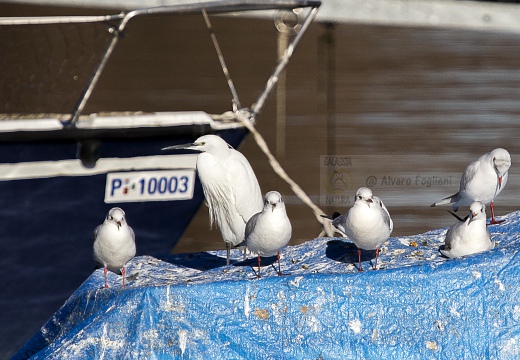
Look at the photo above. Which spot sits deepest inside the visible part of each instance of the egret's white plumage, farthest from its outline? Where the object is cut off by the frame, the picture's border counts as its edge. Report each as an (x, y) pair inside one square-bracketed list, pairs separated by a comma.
[(230, 186), (368, 223), (469, 236), (482, 181), (270, 230), (114, 243)]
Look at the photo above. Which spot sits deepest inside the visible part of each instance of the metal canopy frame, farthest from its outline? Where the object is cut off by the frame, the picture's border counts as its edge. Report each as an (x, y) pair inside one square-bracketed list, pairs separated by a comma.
[(210, 7)]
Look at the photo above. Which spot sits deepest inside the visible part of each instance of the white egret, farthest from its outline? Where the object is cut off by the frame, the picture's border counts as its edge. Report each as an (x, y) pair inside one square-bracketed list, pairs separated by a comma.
[(230, 186), (482, 181), (114, 243)]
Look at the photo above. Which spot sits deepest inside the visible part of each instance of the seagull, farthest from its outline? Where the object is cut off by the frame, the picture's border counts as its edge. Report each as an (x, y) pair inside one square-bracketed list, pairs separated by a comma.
[(482, 181), (230, 187), (114, 243), (367, 223), (469, 236), (270, 230)]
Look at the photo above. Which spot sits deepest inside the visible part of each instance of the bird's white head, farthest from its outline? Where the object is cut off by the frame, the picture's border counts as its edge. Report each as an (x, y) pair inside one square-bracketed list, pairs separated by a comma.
[(477, 211), (117, 216), (273, 200), (212, 144), (501, 163), (364, 196)]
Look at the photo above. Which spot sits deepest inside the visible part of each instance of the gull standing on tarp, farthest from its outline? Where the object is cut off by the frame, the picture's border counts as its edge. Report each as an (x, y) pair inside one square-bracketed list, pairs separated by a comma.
[(267, 232), (367, 223), (470, 235), (230, 186), (482, 181), (114, 243)]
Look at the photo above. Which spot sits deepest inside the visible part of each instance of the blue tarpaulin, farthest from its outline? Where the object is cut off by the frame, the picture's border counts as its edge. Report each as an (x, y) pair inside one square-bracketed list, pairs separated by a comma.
[(417, 305)]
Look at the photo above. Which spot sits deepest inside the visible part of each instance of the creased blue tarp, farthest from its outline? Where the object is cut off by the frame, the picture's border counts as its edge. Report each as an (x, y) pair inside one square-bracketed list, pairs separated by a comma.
[(418, 305)]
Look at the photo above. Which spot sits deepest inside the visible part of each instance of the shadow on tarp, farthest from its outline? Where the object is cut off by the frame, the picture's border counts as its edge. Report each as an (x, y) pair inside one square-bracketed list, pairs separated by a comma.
[(199, 261), (206, 261), (347, 252)]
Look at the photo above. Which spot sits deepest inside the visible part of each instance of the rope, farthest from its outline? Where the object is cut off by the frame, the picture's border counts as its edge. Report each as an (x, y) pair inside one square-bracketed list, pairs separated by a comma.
[(278, 169)]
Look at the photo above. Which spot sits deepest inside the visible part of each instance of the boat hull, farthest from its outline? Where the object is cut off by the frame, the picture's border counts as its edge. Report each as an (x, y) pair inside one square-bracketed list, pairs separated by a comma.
[(48, 221)]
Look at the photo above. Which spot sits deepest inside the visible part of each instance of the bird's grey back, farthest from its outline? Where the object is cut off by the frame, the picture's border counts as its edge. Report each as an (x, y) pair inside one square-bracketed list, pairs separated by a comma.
[(251, 224), (384, 211)]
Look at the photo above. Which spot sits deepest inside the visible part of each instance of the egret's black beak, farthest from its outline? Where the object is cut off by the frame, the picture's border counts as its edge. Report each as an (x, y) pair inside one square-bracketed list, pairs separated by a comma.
[(181, 147)]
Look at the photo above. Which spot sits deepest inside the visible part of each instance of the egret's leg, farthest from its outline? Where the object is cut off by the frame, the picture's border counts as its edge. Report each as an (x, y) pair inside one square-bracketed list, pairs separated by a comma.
[(228, 252)]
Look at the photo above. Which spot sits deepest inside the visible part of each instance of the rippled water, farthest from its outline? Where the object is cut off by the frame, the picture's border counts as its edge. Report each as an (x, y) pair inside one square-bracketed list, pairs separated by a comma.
[(412, 108)]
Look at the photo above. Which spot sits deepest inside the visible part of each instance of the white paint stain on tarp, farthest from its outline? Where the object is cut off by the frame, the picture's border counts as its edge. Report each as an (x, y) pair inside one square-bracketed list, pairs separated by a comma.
[(247, 308), (355, 326), (183, 339)]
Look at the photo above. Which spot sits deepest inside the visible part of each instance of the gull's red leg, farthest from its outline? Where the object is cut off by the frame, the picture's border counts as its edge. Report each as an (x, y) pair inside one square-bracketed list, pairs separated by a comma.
[(279, 266), (377, 254), (493, 221), (258, 275), (106, 277)]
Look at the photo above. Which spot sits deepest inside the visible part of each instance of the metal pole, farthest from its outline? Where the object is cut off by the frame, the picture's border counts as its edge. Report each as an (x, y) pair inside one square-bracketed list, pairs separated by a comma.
[(283, 39)]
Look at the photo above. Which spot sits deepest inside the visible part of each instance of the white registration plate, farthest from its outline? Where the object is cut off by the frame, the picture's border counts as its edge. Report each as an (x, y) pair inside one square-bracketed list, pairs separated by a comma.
[(160, 185)]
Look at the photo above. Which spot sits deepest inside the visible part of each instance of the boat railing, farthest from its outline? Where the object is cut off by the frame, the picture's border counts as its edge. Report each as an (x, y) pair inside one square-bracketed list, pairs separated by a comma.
[(211, 7)]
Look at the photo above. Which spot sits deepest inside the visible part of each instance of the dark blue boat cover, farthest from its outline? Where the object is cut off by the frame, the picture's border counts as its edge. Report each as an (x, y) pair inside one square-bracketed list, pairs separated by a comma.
[(418, 305)]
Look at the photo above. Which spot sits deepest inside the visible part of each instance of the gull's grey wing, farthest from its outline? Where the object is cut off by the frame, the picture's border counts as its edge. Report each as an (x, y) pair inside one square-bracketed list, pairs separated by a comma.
[(251, 224), (469, 174), (385, 213), (340, 222), (448, 200)]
